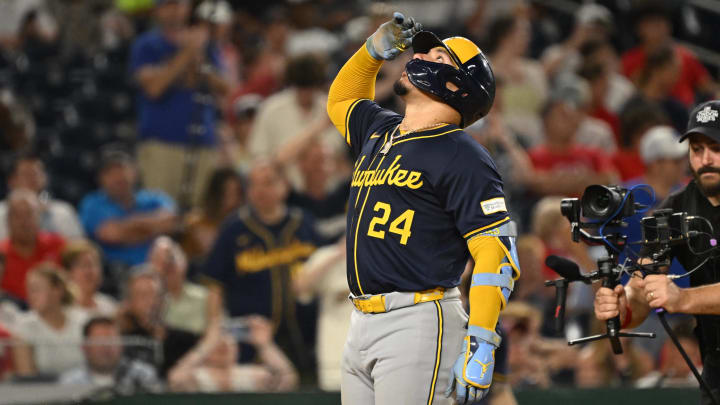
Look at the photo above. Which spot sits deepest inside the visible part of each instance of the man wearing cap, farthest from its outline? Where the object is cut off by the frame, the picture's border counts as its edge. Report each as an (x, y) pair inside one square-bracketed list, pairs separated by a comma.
[(701, 197), (123, 220), (424, 198), (664, 159)]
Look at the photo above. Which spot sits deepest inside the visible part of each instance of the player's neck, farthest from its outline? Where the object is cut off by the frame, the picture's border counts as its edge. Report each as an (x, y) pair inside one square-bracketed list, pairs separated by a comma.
[(427, 114)]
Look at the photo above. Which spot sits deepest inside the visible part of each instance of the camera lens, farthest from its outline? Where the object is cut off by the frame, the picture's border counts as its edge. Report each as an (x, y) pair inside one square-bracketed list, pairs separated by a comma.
[(600, 202)]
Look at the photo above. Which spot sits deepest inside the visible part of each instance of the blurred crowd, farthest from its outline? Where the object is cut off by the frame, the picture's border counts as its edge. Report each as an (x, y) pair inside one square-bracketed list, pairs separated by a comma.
[(175, 194)]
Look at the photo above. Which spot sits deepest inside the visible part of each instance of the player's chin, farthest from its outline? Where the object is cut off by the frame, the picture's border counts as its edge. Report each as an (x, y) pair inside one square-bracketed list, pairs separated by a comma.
[(402, 87)]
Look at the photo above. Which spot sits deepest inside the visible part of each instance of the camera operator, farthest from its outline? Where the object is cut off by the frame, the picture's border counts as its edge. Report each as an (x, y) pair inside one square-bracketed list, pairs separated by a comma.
[(701, 197)]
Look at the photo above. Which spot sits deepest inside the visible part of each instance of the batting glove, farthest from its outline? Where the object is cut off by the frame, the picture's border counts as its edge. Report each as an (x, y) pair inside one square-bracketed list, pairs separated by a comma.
[(472, 373), (392, 37)]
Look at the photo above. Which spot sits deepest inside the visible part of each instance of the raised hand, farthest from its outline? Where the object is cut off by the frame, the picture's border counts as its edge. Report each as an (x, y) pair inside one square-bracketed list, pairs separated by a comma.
[(392, 37)]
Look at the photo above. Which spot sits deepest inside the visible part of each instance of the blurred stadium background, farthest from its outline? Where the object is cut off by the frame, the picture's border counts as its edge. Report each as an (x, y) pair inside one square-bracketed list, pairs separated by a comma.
[(131, 129)]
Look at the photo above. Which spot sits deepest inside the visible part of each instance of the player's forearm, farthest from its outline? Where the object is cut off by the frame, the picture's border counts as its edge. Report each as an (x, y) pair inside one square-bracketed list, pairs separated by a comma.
[(282, 369), (356, 80), (700, 300), (155, 80), (485, 301)]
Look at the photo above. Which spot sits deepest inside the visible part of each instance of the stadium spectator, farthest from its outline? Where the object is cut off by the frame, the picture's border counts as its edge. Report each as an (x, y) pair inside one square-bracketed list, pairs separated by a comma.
[(633, 125), (140, 319), (26, 245), (672, 370), (592, 132), (122, 220), (6, 353), (28, 171), (653, 26), (17, 127), (325, 178), (80, 25), (300, 105), (597, 366), (530, 288), (235, 134), (654, 83), (525, 87), (265, 53), (51, 333), (188, 306), (553, 229), (533, 359), (325, 275), (223, 196), (212, 365), (177, 70), (509, 155), (620, 89), (83, 266), (218, 15), (598, 79), (12, 15), (560, 157), (252, 261), (105, 366), (665, 161), (593, 22)]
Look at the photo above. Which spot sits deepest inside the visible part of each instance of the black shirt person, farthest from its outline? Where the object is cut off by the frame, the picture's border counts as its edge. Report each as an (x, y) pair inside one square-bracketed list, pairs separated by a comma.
[(701, 197)]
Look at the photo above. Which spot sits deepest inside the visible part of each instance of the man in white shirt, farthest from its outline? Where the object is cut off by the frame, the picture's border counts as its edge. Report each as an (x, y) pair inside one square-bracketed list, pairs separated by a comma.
[(28, 171), (105, 366)]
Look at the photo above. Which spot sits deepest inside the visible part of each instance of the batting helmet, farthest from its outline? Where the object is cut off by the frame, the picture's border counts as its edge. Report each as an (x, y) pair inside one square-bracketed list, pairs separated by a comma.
[(472, 75)]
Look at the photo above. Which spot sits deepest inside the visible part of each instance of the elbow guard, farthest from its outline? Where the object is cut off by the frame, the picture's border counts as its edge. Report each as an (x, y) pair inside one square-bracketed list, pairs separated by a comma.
[(507, 271)]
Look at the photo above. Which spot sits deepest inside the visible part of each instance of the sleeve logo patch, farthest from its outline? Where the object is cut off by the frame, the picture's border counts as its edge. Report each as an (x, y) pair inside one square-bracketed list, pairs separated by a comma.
[(493, 205)]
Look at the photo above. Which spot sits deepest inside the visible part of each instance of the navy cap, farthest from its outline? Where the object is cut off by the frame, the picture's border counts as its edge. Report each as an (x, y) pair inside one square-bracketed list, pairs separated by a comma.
[(705, 120)]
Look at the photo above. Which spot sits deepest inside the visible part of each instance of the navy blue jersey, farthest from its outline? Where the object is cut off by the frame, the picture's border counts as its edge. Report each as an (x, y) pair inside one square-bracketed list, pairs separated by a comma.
[(412, 209), (253, 262)]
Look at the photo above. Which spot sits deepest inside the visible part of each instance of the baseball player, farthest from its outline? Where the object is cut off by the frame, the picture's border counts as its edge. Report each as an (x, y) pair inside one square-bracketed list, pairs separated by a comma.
[(424, 198)]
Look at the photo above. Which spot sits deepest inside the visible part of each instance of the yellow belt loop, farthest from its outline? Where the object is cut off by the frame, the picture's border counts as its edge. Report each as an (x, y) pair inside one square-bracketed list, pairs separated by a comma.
[(372, 305), (429, 295)]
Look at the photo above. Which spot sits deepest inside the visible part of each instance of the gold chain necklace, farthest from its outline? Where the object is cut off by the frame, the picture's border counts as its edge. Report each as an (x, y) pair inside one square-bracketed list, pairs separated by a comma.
[(393, 137)]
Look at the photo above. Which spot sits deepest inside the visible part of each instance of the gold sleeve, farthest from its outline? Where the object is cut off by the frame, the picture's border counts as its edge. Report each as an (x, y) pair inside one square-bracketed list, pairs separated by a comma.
[(486, 301), (354, 82)]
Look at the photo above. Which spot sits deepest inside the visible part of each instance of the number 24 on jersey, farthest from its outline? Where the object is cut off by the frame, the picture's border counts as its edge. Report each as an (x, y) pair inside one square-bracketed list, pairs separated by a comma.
[(400, 225)]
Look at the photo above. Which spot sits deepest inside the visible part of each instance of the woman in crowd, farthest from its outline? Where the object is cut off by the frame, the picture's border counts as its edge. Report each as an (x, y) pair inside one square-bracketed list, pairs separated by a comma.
[(223, 195), (212, 365), (525, 85), (81, 260), (51, 333), (597, 366)]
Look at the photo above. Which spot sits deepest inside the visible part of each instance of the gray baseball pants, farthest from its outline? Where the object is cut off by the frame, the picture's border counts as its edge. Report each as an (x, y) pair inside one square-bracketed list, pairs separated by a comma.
[(403, 356)]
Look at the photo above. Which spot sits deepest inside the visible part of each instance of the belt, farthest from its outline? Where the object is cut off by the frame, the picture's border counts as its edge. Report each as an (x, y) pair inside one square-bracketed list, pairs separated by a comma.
[(379, 303)]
